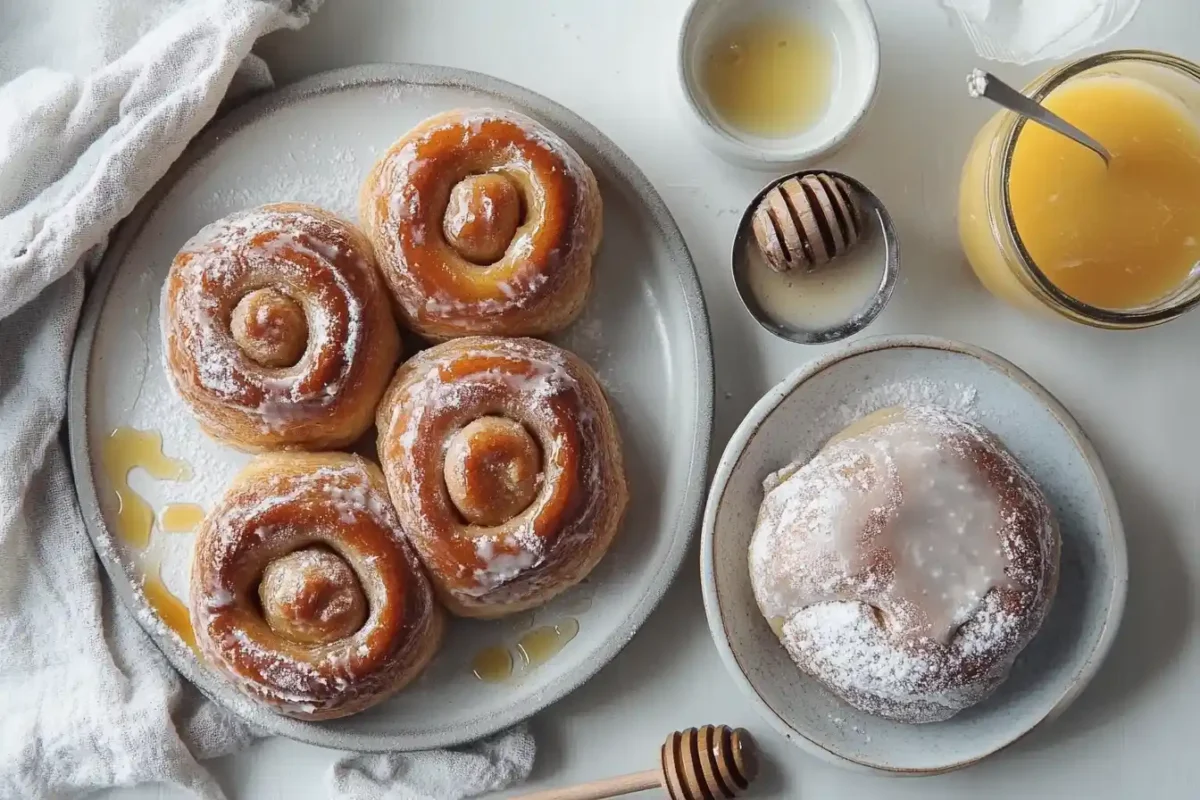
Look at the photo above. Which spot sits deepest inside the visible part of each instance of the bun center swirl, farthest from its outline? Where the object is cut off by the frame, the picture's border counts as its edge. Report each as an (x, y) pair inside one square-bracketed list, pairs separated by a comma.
[(270, 327), (305, 590), (277, 329), (312, 596), (492, 470), (504, 463), (482, 217)]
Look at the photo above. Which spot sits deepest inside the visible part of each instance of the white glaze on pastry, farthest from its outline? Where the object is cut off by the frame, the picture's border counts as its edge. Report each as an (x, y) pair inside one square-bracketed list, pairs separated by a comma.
[(907, 563)]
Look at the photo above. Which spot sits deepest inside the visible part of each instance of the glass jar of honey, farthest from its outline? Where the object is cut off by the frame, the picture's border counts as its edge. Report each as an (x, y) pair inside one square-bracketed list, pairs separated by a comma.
[(1046, 224)]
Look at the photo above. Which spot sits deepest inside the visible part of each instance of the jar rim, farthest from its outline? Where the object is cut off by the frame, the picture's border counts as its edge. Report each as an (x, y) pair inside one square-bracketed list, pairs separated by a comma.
[(1038, 90)]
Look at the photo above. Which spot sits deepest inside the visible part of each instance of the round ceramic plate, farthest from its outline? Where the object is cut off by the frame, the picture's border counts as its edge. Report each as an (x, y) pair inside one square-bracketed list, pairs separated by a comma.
[(793, 421), (644, 331)]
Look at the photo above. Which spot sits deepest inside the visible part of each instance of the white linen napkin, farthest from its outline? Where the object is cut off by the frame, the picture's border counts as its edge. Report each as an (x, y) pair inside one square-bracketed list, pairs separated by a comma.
[(98, 98)]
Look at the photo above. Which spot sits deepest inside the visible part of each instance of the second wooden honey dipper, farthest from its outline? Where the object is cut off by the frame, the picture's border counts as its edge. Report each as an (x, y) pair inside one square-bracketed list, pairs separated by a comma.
[(713, 761)]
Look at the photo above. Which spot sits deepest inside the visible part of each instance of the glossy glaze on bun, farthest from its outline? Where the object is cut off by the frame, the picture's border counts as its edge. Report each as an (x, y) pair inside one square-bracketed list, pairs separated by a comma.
[(277, 332), (504, 463), (907, 564), (484, 222), (305, 592)]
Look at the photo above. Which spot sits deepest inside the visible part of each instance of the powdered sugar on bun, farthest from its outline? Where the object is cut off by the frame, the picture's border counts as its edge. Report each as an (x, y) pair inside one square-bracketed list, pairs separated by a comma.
[(528, 389), (410, 200), (310, 276), (907, 564), (321, 530)]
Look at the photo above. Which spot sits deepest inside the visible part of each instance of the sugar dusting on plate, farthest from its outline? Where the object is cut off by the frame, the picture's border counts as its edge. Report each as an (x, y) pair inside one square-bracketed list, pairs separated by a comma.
[(957, 397)]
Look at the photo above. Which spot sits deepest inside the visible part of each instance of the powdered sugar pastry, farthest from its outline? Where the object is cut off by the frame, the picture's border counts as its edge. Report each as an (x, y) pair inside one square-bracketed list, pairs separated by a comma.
[(907, 563)]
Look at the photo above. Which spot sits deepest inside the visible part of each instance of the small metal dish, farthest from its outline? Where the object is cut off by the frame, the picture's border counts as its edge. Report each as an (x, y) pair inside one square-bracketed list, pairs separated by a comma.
[(879, 229)]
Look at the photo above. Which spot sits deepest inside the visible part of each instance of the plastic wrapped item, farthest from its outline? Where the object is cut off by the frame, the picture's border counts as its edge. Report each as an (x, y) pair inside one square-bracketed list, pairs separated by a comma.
[(1024, 31)]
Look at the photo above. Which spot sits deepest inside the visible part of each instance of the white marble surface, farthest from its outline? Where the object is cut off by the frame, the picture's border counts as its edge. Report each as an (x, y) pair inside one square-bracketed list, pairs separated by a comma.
[(612, 62)]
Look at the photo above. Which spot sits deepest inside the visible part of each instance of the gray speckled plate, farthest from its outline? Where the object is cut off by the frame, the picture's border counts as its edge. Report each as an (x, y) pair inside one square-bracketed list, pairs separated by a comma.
[(793, 421), (645, 332)]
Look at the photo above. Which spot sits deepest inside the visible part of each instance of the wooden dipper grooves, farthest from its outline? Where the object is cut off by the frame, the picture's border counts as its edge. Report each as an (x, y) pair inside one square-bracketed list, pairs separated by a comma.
[(713, 762), (805, 222)]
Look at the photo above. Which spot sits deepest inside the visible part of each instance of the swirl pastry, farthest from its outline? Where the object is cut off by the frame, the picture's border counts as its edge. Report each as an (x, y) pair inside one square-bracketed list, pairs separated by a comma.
[(305, 592), (277, 330), (484, 222), (907, 564), (504, 462)]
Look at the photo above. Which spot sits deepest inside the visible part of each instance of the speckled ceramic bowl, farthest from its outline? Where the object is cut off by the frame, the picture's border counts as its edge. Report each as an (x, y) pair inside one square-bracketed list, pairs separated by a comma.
[(794, 420), (854, 42)]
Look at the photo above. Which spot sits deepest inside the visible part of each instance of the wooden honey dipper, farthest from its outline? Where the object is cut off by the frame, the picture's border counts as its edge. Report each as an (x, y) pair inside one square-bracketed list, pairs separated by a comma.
[(806, 221), (714, 761)]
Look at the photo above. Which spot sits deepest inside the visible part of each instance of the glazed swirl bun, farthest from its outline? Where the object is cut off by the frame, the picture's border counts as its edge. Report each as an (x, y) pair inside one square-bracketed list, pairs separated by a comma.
[(907, 564), (484, 222), (304, 590), (277, 331), (504, 462)]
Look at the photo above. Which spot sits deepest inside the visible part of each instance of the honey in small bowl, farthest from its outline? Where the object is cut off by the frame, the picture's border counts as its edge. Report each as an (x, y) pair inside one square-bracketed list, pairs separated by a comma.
[(769, 76)]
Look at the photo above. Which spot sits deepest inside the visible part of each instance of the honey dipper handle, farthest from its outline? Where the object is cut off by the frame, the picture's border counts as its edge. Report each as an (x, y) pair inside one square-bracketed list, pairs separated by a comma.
[(598, 790)]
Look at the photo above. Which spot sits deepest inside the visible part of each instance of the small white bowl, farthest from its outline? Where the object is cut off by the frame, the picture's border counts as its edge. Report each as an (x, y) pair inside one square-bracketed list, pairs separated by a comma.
[(793, 421), (854, 75)]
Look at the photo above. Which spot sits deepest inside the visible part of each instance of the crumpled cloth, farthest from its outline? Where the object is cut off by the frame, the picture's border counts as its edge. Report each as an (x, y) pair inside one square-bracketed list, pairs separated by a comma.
[(486, 766), (97, 99)]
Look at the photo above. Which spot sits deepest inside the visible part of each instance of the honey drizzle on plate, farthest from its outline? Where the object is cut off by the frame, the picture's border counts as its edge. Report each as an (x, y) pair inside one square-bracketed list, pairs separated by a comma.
[(180, 517), (123, 451), (170, 609), (540, 644), (495, 664)]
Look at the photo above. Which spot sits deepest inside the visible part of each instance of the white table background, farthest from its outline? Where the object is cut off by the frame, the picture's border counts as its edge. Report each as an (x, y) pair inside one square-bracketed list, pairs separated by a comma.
[(612, 62)]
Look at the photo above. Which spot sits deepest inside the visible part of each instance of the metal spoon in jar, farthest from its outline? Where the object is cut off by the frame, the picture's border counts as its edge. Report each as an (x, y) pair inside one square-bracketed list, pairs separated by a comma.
[(984, 84)]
